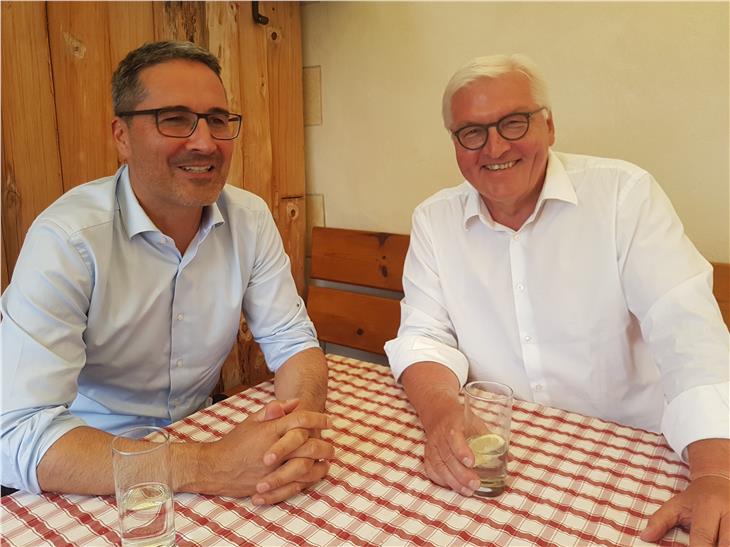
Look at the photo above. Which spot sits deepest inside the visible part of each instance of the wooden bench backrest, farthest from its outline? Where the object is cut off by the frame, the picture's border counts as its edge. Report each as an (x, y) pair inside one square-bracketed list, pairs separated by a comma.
[(366, 259), (721, 288)]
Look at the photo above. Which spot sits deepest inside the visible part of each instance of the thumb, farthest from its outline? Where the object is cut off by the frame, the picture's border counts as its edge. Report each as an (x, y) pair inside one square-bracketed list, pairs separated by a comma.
[(666, 518)]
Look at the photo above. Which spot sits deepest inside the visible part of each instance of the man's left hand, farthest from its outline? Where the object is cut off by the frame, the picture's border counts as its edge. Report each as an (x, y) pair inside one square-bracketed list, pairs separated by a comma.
[(703, 508)]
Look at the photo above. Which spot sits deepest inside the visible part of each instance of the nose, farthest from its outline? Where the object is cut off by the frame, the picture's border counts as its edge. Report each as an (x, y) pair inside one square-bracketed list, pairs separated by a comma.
[(496, 145), (201, 140)]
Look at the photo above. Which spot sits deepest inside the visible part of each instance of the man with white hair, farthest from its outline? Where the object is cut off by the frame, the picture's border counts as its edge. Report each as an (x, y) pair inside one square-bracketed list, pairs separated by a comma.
[(570, 279)]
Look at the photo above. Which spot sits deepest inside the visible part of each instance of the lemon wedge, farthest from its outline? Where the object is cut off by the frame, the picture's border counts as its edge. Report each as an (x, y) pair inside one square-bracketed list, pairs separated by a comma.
[(487, 449)]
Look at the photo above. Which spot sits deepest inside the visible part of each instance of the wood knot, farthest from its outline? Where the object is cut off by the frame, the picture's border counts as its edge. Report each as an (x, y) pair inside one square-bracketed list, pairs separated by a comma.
[(384, 270), (360, 332), (75, 46)]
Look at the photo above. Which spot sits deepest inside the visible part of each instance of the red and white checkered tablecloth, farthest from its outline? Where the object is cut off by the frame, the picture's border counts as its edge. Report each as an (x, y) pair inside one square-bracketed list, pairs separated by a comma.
[(573, 481)]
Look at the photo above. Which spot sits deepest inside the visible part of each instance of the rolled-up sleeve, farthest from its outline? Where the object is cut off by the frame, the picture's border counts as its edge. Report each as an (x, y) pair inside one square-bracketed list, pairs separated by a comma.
[(426, 332), (43, 321), (273, 309), (668, 286)]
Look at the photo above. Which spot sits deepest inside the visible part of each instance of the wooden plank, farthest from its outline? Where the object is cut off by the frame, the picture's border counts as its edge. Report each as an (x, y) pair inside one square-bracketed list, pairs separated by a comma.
[(131, 24), (181, 21), (286, 103), (222, 20), (31, 166), (292, 225), (80, 56), (373, 259), (721, 288), (354, 320), (256, 131)]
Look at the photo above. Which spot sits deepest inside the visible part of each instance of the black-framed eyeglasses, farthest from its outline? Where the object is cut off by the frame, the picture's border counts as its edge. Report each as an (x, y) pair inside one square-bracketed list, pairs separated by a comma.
[(181, 123), (511, 127)]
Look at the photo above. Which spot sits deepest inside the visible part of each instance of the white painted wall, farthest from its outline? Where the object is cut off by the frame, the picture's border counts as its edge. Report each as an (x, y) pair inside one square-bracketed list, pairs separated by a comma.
[(646, 82)]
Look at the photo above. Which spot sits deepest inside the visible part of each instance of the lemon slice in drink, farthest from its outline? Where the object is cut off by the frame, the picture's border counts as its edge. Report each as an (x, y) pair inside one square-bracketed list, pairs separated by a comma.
[(487, 449)]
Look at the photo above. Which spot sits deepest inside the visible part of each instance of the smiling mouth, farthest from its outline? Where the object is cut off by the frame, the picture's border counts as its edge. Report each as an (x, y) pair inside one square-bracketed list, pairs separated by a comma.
[(196, 169), (499, 166)]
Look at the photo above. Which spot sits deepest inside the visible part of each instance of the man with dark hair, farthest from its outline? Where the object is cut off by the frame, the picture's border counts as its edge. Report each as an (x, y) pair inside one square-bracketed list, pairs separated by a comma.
[(126, 299)]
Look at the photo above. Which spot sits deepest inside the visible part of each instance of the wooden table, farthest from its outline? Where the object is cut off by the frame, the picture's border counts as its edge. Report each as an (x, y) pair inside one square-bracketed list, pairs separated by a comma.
[(573, 481)]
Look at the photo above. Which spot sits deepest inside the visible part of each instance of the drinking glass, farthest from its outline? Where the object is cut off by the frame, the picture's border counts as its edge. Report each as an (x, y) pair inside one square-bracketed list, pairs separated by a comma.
[(143, 484), (487, 421)]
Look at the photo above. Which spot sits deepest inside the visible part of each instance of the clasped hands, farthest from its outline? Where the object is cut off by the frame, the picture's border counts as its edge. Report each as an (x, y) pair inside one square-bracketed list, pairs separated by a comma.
[(272, 455)]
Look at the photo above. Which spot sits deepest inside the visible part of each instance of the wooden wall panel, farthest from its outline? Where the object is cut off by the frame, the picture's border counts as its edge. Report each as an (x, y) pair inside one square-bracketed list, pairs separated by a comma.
[(256, 130), (81, 70), (223, 23), (31, 167), (181, 21), (131, 24), (284, 49), (292, 225)]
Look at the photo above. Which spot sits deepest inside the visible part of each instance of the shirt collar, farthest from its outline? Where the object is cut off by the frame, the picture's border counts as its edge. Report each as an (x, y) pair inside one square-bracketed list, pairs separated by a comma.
[(557, 186), (136, 221)]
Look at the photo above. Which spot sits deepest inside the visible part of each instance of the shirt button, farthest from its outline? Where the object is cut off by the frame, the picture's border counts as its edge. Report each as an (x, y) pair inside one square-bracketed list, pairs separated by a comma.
[(180, 316), (520, 287), (538, 387), (528, 338), (179, 363), (516, 237)]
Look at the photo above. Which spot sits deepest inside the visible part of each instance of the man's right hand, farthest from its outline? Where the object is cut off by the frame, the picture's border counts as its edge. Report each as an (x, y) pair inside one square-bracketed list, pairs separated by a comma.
[(434, 391), (448, 459), (261, 447)]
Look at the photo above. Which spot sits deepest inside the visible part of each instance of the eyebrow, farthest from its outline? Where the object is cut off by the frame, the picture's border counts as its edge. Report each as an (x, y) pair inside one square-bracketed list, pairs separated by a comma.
[(214, 110)]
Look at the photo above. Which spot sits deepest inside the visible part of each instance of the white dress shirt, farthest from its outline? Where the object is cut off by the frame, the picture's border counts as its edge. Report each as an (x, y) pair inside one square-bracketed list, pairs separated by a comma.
[(598, 304), (105, 324)]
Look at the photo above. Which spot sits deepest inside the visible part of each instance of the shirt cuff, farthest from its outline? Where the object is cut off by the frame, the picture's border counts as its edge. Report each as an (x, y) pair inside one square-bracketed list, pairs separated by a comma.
[(405, 351), (696, 414)]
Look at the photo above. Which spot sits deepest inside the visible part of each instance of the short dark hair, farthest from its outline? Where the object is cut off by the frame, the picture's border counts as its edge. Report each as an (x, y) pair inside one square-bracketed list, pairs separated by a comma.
[(127, 91)]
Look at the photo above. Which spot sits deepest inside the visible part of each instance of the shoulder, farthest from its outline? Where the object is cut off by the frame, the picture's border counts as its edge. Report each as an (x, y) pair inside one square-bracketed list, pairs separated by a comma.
[(84, 207), (448, 200), (589, 167), (241, 202)]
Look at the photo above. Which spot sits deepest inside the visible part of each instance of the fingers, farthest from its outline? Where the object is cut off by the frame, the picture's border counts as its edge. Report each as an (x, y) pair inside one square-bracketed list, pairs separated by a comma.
[(457, 456), (277, 409), (723, 535), (288, 443), (304, 419), (288, 480), (444, 469), (666, 518), (314, 449)]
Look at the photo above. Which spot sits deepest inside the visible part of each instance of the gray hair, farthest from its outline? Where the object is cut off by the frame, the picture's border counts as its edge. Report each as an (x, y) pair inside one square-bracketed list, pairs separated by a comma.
[(493, 66), (127, 91)]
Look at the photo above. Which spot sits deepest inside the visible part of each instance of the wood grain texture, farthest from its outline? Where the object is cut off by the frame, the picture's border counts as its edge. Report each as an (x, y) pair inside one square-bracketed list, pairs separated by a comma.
[(223, 41), (354, 320), (286, 103), (31, 165), (131, 24), (292, 225), (81, 71), (372, 259), (256, 130), (181, 21), (721, 288)]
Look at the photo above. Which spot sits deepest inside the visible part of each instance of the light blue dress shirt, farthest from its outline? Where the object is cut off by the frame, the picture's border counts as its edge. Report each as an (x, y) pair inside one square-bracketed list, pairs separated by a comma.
[(105, 324)]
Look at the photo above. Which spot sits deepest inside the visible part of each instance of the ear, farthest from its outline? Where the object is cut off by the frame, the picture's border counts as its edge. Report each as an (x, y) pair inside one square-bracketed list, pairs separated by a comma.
[(120, 133), (551, 127)]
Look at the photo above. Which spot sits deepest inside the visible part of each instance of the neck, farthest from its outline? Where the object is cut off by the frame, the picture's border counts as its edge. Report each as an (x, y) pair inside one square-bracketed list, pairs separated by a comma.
[(181, 226)]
